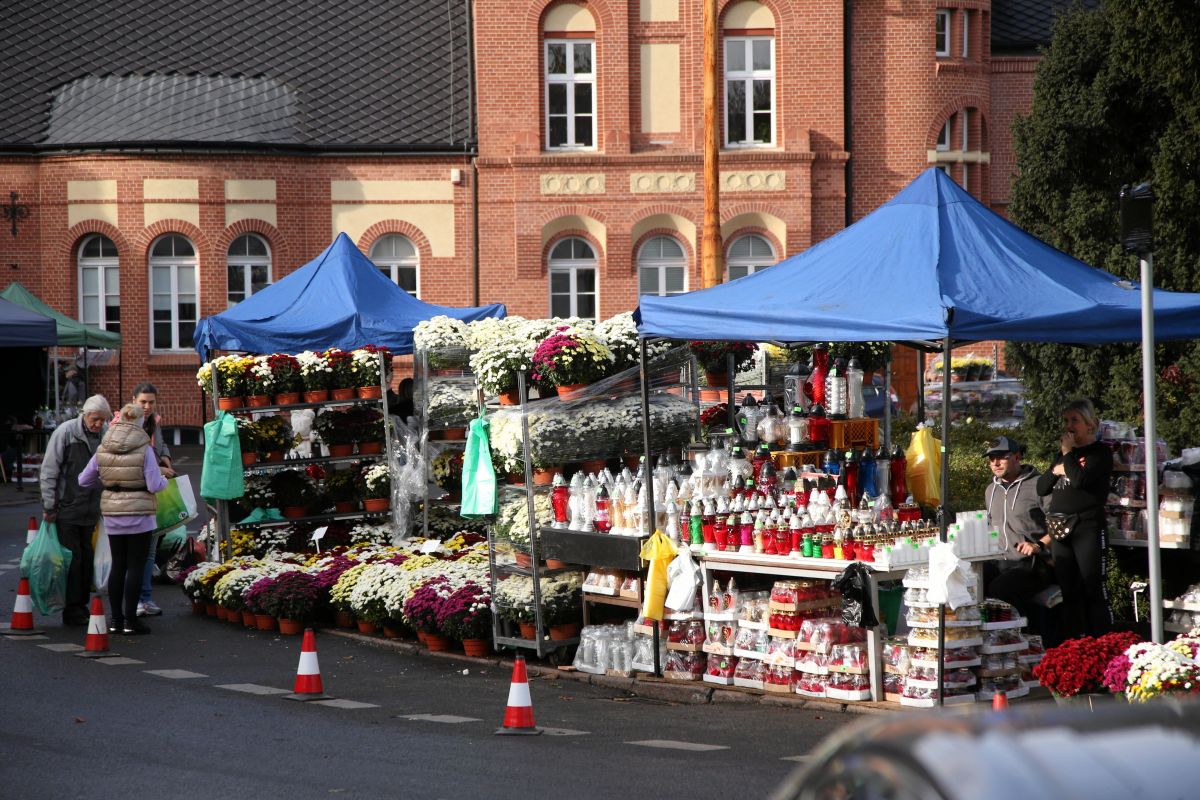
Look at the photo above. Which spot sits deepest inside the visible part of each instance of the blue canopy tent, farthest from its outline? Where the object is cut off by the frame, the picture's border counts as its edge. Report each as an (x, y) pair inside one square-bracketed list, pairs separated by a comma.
[(934, 267), (339, 299), (20, 327)]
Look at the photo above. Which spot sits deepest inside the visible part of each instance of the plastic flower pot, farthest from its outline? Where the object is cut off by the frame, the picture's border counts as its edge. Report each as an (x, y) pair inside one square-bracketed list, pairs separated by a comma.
[(294, 512), (475, 647), (248, 619), (291, 627), (566, 391), (376, 504), (229, 403), (345, 507), (437, 643), (370, 392), (344, 394), (512, 398), (365, 627), (316, 395), (528, 630), (287, 398), (273, 456), (567, 630), (249, 458), (258, 400), (343, 619), (265, 622), (370, 448), (341, 450)]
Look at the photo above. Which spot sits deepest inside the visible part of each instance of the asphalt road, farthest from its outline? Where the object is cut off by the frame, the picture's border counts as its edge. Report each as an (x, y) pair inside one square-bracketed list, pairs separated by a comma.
[(421, 726)]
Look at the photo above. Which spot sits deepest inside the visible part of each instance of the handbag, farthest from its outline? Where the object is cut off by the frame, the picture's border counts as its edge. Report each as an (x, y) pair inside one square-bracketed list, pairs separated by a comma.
[(1059, 525)]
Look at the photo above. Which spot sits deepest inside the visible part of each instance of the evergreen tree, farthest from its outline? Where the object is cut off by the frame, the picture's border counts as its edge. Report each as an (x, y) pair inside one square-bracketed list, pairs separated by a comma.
[(1116, 101)]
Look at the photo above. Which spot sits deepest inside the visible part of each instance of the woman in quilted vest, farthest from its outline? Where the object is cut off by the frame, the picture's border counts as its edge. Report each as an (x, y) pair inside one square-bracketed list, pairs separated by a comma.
[(126, 466)]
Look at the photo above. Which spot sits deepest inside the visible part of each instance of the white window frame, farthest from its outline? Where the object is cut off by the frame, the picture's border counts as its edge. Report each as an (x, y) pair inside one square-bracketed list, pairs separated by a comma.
[(943, 140), (570, 79), (966, 33), (747, 77), (942, 21), (175, 264), (572, 267), (965, 120), (391, 265), (101, 264), (750, 263), (660, 266), (247, 263)]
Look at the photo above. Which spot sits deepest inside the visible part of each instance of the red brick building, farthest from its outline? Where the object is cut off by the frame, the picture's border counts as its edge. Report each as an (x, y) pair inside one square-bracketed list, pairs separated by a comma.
[(175, 157)]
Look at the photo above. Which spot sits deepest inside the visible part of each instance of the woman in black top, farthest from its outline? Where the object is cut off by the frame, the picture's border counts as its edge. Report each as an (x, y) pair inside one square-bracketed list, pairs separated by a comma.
[(1077, 485)]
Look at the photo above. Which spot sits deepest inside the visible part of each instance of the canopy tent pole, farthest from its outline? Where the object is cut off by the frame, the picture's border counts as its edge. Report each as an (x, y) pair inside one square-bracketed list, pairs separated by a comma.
[(887, 403), (921, 384), (943, 518), (1154, 577), (54, 366), (648, 479)]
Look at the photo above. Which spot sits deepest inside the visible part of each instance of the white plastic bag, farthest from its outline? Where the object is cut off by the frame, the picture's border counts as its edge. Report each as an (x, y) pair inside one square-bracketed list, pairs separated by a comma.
[(102, 558), (949, 577), (682, 580)]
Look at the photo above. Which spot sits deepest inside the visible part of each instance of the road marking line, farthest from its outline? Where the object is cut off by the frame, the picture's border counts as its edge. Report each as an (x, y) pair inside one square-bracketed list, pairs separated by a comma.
[(8, 566), (253, 688), (174, 674), (114, 662), (447, 718), (61, 648), (795, 758), (669, 744), (37, 637), (343, 704), (564, 732)]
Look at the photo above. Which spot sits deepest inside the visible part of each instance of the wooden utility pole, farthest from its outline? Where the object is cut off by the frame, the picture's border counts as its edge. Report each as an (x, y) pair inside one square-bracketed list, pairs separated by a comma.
[(711, 257)]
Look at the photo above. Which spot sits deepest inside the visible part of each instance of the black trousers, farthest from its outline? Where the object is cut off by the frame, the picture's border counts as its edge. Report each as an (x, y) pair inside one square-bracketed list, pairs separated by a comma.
[(1016, 582), (129, 553), (1079, 569), (78, 539)]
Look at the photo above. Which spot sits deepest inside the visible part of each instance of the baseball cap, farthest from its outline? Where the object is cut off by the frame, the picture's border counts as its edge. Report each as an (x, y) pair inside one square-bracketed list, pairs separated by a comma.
[(1002, 445)]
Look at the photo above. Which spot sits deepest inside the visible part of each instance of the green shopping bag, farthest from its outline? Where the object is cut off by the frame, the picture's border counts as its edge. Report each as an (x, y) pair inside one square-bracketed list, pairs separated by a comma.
[(221, 477), (176, 504), (478, 475), (45, 562)]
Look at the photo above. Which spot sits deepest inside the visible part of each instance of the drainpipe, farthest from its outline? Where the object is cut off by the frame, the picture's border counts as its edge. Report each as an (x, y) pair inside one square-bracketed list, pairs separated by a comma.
[(471, 145), (847, 99)]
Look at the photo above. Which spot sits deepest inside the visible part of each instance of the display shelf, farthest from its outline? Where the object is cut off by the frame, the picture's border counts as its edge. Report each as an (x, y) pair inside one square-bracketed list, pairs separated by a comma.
[(612, 600), (1181, 605), (541, 572), (293, 463), (354, 401), (1175, 627), (1143, 543), (332, 516)]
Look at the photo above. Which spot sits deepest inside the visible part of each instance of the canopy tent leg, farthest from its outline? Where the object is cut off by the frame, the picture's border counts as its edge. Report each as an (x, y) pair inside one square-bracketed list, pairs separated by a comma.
[(943, 517), (921, 384), (1154, 573), (887, 404), (644, 372)]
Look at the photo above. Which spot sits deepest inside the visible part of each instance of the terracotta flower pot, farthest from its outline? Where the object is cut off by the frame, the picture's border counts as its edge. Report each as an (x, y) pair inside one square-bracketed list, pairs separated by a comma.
[(290, 627), (343, 619), (370, 392), (512, 398), (249, 458), (211, 609), (524, 560), (593, 465), (233, 617), (451, 435), (294, 512), (545, 477), (370, 448), (316, 395), (365, 627), (421, 636), (475, 647), (377, 504), (220, 612), (230, 403), (341, 450), (437, 643), (717, 380), (248, 619), (344, 394), (345, 507), (566, 631), (554, 563), (265, 622), (258, 400), (568, 390), (274, 456), (389, 632), (287, 398), (198, 608), (528, 630), (632, 461)]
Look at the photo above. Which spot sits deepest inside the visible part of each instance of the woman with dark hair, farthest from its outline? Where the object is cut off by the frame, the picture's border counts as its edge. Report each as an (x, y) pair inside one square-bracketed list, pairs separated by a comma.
[(145, 395), (1077, 484)]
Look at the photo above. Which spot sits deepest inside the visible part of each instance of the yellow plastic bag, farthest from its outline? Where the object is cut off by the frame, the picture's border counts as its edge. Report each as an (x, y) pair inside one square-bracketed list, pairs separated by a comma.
[(659, 551), (924, 476)]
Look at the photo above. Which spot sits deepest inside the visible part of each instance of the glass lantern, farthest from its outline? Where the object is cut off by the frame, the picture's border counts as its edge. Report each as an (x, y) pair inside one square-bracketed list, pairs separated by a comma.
[(854, 388), (837, 397)]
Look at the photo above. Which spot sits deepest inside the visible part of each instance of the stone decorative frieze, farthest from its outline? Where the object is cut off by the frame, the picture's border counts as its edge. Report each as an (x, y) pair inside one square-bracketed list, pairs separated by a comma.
[(651, 182), (581, 183)]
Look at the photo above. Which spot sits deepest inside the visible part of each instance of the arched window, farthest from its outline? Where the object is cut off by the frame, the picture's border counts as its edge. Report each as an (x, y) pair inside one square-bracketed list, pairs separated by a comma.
[(248, 267), (396, 257), (572, 270), (748, 254), (174, 296), (662, 267), (99, 283), (749, 47)]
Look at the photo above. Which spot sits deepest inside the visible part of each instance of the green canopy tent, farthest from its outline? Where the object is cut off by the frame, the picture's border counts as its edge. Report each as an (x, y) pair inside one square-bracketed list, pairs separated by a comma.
[(71, 332)]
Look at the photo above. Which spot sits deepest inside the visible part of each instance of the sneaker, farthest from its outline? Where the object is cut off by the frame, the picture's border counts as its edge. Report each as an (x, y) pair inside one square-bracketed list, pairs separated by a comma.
[(135, 628), (148, 609), (116, 626)]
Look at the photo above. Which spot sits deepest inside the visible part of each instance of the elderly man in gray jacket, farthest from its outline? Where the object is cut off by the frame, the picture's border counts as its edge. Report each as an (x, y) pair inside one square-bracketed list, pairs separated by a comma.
[(1015, 509), (74, 509)]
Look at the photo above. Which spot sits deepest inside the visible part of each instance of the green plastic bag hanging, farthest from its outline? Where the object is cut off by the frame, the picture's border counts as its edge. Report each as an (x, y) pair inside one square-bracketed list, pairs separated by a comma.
[(221, 478), (45, 562), (478, 475)]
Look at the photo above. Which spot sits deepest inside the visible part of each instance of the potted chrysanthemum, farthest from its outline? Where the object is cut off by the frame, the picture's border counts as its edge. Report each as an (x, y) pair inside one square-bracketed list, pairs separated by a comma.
[(291, 598), (377, 488), (466, 615), (317, 375), (569, 359), (421, 612)]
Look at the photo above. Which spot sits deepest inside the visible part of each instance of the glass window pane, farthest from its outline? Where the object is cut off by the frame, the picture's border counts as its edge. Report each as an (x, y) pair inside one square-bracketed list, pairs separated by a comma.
[(187, 307), (187, 280), (585, 280), (91, 310), (762, 127), (563, 249), (558, 131), (235, 274), (740, 248), (670, 247), (583, 130), (407, 279), (255, 246), (162, 335), (162, 247), (560, 281), (160, 279), (583, 249), (404, 248), (557, 100), (113, 318), (259, 277), (234, 297), (761, 248), (162, 306), (674, 279), (187, 332), (736, 272), (112, 280), (107, 248), (762, 95), (586, 305), (583, 59), (762, 53), (556, 59), (735, 55), (583, 98), (91, 247), (560, 305), (735, 99), (648, 280), (183, 247), (91, 280)]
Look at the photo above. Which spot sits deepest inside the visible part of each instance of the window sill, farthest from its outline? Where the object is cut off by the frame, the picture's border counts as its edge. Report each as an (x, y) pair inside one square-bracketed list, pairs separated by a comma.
[(959, 67), (181, 358)]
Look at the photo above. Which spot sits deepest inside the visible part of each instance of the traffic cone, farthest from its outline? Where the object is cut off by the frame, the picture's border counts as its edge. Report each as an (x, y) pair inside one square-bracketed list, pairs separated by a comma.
[(22, 617), (999, 701), (308, 673), (518, 716), (96, 644), (32, 532)]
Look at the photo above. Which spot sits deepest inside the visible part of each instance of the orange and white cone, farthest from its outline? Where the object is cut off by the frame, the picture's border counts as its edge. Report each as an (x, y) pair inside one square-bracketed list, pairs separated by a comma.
[(308, 673), (32, 531), (518, 716), (999, 701), (96, 644), (22, 617)]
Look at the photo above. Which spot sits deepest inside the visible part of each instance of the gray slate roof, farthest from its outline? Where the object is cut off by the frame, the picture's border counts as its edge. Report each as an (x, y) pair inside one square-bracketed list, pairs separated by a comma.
[(1023, 26), (316, 74)]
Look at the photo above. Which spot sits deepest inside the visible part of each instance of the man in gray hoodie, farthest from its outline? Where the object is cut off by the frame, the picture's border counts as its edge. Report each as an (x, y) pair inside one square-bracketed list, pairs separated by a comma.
[(74, 509), (1014, 509)]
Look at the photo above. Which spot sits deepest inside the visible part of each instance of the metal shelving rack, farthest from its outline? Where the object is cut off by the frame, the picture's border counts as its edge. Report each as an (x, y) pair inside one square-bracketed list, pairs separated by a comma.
[(424, 381)]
